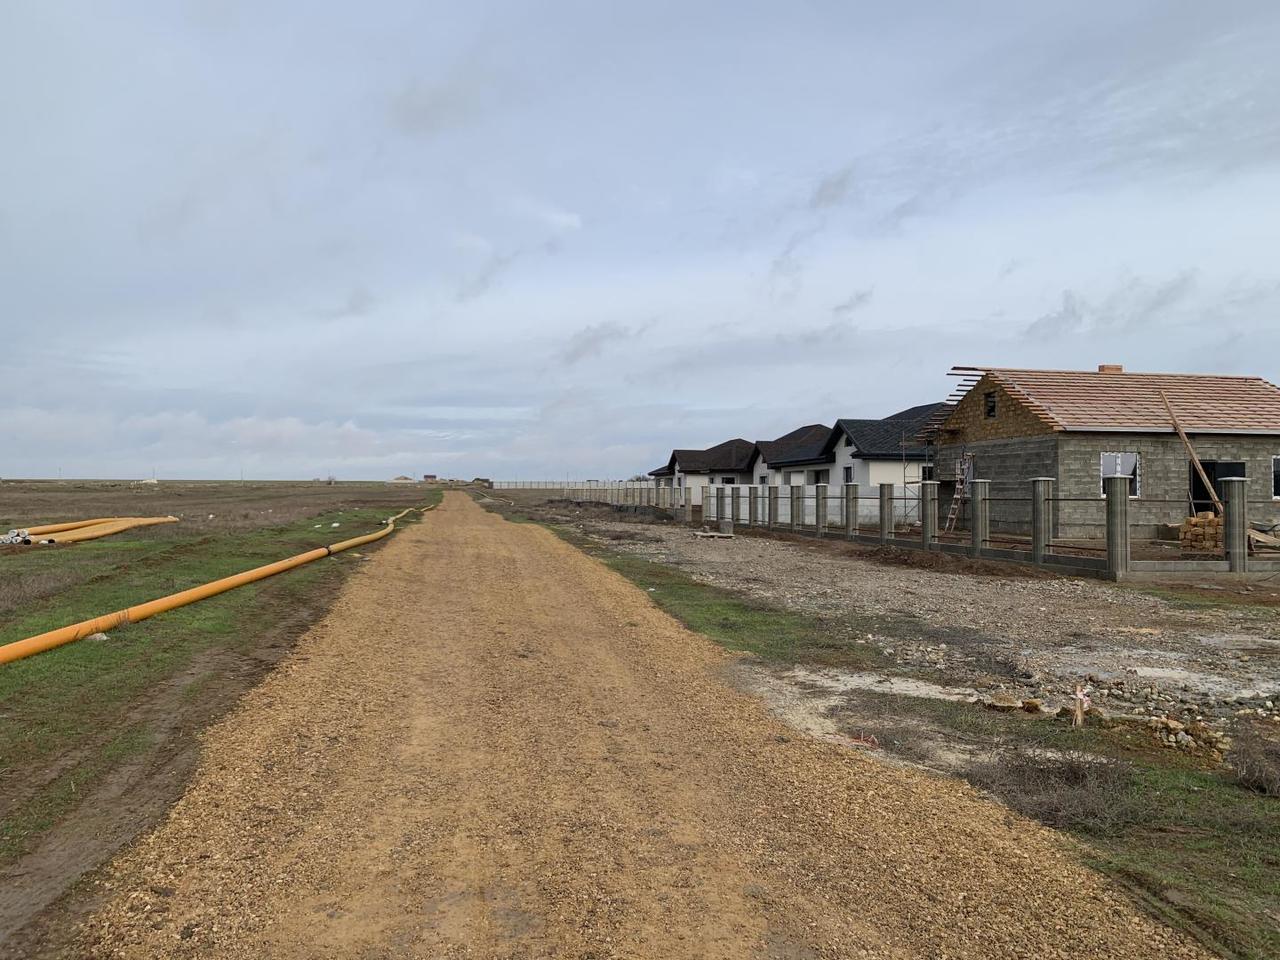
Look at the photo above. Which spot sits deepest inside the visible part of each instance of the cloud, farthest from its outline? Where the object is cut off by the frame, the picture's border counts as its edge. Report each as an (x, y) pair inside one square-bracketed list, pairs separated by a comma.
[(1134, 304), (358, 303), (786, 269), (1068, 318), (555, 219), (428, 108), (858, 300), (592, 340), (832, 190)]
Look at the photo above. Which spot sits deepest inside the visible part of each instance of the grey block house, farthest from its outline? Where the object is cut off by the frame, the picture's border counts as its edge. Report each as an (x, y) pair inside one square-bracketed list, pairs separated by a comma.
[(1076, 427)]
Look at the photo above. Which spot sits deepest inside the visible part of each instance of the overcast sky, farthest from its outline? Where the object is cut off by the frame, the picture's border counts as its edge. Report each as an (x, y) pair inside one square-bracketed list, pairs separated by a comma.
[(523, 240)]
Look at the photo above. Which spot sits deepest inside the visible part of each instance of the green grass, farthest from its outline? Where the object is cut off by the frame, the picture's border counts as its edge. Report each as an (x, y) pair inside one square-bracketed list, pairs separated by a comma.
[(1200, 851), (734, 620), (1206, 855), (74, 702)]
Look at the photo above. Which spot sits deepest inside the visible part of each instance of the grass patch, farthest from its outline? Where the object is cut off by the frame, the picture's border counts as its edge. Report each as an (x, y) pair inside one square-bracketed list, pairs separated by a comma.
[(736, 621), (1196, 847), (1255, 758), (65, 714)]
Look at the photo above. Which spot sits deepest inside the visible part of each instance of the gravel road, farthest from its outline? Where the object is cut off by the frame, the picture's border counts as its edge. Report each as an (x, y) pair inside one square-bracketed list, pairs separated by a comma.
[(495, 747)]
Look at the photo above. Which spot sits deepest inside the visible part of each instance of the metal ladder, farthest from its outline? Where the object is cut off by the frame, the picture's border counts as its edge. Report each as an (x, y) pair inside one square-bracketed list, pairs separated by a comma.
[(964, 469)]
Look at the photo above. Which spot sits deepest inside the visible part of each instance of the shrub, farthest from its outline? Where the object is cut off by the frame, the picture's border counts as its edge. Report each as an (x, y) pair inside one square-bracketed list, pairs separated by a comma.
[(1255, 758), (1066, 789)]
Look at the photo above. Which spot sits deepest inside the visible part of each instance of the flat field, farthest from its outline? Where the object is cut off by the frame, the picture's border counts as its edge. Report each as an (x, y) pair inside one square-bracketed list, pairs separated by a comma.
[(98, 737)]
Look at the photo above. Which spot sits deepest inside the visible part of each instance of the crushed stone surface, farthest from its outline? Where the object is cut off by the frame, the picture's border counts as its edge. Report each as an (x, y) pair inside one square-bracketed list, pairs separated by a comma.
[(495, 747), (1037, 636)]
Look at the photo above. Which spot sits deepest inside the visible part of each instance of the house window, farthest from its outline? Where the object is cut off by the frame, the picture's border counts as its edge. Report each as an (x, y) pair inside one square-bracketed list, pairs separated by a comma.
[(848, 474), (728, 480), (989, 404), (848, 440), (763, 479), (926, 471), (1128, 464), (821, 476), (1275, 478)]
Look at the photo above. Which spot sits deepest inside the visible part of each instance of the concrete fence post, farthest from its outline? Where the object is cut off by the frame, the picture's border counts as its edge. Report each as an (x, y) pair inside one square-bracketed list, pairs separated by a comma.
[(723, 520), (797, 506), (1235, 523), (980, 521), (820, 508), (1117, 490), (771, 519), (1041, 517), (706, 502), (850, 510), (735, 514), (753, 506), (686, 504), (929, 514), (886, 512)]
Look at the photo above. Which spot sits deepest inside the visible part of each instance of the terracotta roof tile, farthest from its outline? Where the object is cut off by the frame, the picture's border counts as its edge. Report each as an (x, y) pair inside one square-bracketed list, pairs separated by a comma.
[(1094, 400)]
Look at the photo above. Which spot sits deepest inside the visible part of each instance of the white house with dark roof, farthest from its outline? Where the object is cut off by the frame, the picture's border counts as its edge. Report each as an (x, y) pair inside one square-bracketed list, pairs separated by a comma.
[(867, 452), (724, 464), (872, 452), (800, 444)]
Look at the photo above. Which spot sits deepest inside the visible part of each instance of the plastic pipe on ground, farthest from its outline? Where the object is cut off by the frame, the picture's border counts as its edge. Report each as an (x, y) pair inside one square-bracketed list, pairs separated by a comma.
[(78, 530), (81, 534), (78, 631), (70, 525)]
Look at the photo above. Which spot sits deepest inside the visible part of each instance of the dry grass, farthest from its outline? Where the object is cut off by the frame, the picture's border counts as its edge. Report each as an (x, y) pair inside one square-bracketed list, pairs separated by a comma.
[(19, 590), (1071, 790), (1255, 758)]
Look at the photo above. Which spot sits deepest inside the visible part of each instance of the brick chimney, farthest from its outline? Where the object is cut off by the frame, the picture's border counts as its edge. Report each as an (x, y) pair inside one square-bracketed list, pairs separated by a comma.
[(1111, 368)]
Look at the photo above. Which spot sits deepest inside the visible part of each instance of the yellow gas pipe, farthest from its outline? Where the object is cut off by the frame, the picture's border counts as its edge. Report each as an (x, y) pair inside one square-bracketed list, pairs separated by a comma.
[(78, 631), (75, 531)]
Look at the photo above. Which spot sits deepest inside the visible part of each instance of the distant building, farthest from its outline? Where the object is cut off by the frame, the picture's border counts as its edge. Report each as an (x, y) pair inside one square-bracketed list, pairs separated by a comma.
[(725, 463)]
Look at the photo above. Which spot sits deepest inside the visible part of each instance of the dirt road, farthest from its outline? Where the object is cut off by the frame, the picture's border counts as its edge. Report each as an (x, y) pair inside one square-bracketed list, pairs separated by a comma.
[(495, 747)]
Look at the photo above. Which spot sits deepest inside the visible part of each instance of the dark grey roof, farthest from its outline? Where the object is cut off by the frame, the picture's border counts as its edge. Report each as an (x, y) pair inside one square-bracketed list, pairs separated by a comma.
[(922, 412), (892, 438), (801, 445), (733, 456)]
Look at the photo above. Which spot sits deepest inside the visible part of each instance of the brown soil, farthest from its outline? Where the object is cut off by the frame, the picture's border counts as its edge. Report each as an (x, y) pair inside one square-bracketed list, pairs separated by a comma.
[(494, 747)]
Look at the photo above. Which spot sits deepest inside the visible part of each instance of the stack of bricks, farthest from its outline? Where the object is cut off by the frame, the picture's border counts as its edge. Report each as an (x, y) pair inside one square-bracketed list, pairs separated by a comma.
[(1202, 533)]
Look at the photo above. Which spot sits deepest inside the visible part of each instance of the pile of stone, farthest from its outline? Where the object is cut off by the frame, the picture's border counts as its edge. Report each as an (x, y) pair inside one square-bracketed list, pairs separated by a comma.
[(1201, 533), (1189, 736)]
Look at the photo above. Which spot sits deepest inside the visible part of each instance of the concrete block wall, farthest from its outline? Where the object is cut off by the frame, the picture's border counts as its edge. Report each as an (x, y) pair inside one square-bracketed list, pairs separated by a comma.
[(1164, 468), (1074, 460), (1009, 464)]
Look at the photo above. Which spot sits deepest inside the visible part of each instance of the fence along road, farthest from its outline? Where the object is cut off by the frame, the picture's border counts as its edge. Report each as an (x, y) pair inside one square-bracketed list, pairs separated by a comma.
[(493, 747)]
